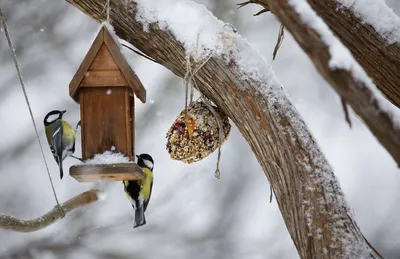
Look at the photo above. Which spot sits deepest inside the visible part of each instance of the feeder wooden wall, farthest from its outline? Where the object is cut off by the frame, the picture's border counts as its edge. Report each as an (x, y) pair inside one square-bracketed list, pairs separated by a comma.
[(105, 86)]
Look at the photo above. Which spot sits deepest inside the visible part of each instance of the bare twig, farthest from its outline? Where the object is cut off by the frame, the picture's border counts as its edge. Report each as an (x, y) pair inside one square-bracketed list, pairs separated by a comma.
[(14, 224), (346, 111), (281, 36), (265, 10)]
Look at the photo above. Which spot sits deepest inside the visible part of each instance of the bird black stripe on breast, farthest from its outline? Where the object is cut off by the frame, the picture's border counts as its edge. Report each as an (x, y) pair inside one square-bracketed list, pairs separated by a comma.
[(134, 189)]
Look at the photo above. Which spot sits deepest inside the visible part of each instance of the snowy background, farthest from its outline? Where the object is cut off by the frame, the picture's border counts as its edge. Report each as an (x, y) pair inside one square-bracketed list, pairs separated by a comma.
[(191, 214)]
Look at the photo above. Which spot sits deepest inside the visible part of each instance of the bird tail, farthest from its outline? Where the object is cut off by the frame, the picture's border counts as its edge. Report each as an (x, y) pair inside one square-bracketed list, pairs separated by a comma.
[(61, 170), (140, 219)]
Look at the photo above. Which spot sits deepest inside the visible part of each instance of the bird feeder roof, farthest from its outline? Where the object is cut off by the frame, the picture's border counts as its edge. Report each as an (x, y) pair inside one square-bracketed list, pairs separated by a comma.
[(103, 40)]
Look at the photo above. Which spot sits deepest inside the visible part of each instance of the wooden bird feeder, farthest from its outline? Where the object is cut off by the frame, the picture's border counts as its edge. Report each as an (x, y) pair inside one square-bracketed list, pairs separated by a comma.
[(105, 86)]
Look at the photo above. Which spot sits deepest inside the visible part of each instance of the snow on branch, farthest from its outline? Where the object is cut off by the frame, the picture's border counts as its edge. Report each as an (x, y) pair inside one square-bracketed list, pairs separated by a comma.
[(242, 84), (377, 14), (14, 224), (371, 31), (339, 68)]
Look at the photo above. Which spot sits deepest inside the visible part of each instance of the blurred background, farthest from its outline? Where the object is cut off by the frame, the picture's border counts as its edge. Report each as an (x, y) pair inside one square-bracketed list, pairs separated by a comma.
[(191, 214)]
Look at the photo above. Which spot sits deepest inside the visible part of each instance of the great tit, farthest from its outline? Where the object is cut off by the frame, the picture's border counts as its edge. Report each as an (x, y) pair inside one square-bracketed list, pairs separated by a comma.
[(139, 192), (60, 136)]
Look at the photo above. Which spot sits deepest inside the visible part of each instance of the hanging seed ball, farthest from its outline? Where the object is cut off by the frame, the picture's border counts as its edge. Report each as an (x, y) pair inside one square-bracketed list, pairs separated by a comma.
[(197, 137)]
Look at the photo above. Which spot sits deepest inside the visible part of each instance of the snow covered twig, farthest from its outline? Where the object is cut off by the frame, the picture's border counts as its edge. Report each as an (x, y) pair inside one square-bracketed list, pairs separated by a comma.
[(14, 224)]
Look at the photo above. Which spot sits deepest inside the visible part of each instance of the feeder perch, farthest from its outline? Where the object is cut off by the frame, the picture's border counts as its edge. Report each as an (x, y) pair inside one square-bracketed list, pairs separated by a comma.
[(105, 86)]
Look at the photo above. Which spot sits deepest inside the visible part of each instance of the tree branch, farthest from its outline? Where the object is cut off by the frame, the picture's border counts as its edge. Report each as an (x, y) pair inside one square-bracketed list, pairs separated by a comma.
[(307, 192), (356, 93), (380, 60), (14, 224)]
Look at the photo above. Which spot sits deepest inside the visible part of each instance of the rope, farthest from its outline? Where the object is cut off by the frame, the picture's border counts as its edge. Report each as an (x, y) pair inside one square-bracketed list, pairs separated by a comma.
[(12, 50), (189, 81)]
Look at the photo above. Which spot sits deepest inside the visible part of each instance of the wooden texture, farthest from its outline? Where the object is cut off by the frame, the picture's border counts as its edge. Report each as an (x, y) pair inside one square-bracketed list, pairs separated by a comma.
[(104, 79), (355, 93), (31, 225), (129, 74), (112, 172), (132, 121), (379, 59), (84, 66), (103, 61), (105, 55), (128, 125), (294, 165), (104, 117)]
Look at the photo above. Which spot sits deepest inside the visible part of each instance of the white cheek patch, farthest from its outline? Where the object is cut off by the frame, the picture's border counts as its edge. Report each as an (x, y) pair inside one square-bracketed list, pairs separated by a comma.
[(148, 163), (52, 117)]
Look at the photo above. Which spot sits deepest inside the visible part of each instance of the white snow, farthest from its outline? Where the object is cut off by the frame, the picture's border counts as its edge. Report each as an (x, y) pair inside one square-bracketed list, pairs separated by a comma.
[(377, 14), (111, 30), (190, 23), (108, 157), (341, 58)]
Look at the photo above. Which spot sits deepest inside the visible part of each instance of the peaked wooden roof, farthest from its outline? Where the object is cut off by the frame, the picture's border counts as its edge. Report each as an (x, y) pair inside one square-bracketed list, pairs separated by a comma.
[(104, 38)]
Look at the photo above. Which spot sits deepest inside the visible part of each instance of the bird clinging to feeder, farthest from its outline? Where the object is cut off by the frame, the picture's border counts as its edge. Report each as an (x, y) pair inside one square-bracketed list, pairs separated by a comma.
[(105, 86)]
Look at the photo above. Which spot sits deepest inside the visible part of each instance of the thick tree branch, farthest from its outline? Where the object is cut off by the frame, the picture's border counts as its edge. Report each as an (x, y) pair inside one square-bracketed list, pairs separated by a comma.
[(380, 60), (307, 192), (14, 224), (358, 95)]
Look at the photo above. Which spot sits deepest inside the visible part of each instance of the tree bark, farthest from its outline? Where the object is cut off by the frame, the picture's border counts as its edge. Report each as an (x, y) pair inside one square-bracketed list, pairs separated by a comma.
[(353, 91), (380, 60), (14, 224), (307, 192)]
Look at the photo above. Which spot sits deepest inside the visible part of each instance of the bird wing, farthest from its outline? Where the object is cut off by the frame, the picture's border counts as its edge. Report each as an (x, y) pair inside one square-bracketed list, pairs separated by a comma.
[(146, 202), (56, 145)]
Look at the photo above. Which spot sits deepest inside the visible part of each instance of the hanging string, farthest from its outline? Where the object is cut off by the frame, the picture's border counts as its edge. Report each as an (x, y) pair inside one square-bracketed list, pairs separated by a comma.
[(189, 81), (12, 50), (107, 9)]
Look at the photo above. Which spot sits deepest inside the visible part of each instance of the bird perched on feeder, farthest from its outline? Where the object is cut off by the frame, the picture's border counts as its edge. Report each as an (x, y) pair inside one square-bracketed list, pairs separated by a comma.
[(139, 192), (60, 136)]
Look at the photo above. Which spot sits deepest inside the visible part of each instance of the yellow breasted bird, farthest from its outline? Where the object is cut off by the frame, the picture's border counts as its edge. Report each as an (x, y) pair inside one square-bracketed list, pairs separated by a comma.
[(139, 192), (60, 136)]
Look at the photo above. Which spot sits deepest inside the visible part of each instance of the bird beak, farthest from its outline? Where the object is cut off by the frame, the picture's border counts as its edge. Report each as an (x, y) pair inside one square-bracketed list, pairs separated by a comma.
[(62, 112)]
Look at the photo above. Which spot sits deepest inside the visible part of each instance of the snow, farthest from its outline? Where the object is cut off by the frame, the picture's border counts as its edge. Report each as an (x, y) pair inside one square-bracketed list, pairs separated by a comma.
[(111, 30), (108, 157), (203, 35), (341, 58), (377, 14), (199, 33)]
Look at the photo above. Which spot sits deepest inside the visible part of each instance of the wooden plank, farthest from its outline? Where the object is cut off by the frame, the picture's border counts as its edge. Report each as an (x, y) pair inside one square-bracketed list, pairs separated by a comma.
[(129, 74), (87, 61), (104, 118), (132, 117), (103, 61), (128, 123), (104, 78), (112, 172), (83, 135)]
